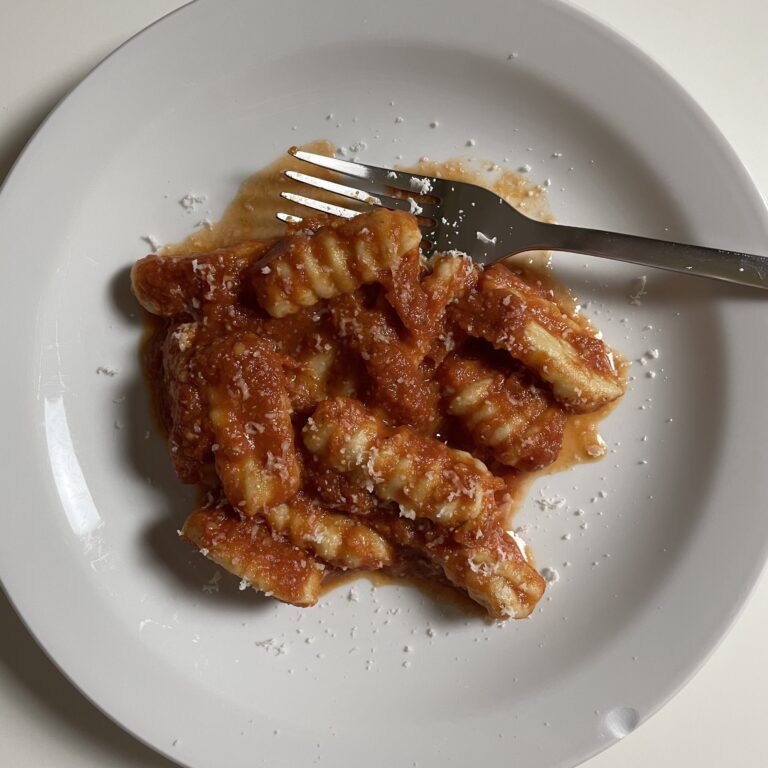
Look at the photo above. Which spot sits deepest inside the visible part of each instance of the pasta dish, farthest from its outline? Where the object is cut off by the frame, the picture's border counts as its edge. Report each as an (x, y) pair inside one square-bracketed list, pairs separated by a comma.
[(346, 404)]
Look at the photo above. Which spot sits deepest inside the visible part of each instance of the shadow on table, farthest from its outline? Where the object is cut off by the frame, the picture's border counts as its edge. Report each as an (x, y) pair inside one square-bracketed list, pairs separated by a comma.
[(19, 134), (29, 670)]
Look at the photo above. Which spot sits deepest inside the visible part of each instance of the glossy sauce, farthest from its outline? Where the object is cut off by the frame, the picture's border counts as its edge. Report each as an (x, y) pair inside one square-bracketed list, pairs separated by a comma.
[(251, 216), (582, 442)]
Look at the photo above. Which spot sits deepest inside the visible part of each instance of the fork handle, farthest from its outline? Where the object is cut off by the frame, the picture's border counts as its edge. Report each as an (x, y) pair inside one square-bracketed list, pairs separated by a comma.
[(730, 266)]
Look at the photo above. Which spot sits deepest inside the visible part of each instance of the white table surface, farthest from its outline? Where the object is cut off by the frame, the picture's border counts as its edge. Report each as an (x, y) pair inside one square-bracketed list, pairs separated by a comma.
[(717, 49)]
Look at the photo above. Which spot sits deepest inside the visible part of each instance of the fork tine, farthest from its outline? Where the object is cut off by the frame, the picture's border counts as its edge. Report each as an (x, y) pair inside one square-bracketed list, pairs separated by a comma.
[(403, 204), (289, 218), (334, 210), (332, 186), (382, 176)]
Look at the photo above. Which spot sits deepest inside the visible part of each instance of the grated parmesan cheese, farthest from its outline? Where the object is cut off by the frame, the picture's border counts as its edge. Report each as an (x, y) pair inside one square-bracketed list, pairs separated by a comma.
[(550, 575), (414, 206), (190, 201), (423, 186), (154, 243), (553, 502), (483, 238)]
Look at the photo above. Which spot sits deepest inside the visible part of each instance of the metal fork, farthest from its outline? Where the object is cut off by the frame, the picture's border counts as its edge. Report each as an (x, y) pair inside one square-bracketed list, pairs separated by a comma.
[(455, 215)]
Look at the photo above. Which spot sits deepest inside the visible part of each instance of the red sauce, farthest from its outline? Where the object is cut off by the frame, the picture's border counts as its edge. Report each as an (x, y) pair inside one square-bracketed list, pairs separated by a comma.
[(243, 354)]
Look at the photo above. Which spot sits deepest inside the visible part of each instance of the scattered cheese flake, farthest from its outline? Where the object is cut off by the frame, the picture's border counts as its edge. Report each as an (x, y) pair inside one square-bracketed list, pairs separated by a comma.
[(471, 142), (597, 448), (423, 186), (483, 238), (639, 292), (154, 243), (553, 502), (273, 646), (190, 201), (550, 575), (415, 207)]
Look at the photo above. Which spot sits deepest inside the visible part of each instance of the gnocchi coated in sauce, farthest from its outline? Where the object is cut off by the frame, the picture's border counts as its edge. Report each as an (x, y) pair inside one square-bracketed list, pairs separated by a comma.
[(347, 404)]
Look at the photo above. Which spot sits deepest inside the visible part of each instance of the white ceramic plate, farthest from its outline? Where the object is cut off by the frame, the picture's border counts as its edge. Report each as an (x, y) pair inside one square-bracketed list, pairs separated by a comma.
[(673, 531)]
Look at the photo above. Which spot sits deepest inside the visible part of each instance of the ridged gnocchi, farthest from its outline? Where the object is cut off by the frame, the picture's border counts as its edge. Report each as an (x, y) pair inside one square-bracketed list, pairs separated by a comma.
[(348, 405), (335, 259)]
